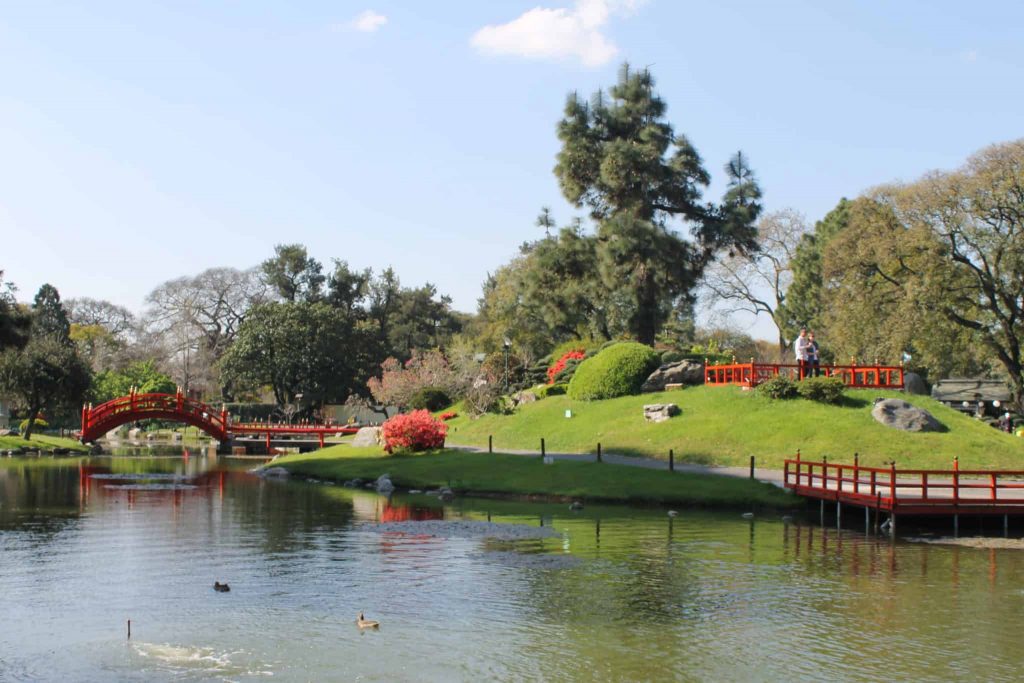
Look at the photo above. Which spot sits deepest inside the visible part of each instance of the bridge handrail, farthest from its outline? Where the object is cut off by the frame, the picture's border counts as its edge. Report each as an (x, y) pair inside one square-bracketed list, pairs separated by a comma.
[(878, 482), (751, 374), (158, 401)]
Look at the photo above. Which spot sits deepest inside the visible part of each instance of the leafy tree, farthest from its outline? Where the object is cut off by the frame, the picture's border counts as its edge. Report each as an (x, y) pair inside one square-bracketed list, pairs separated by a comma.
[(49, 319), (298, 348), (623, 160), (804, 304), (142, 375), (951, 246), (46, 375), (347, 289), (14, 323), (293, 273)]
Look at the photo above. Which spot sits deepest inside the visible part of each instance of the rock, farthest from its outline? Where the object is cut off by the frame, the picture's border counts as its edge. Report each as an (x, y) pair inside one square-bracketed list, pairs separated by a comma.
[(273, 472), (353, 483), (896, 413), (447, 495), (524, 397), (366, 437), (384, 485), (659, 412), (414, 491), (913, 384), (681, 372)]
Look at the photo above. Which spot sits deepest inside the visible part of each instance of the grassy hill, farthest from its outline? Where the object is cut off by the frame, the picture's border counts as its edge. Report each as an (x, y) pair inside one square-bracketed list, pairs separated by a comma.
[(41, 441), (516, 475), (725, 426)]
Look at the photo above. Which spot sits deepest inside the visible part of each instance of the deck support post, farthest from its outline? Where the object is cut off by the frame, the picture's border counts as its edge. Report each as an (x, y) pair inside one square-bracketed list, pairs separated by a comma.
[(892, 525), (822, 512), (956, 526), (839, 514), (867, 520), (1006, 526)]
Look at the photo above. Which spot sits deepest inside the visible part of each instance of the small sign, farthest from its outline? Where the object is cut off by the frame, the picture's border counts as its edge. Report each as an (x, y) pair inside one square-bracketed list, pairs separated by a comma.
[(568, 413)]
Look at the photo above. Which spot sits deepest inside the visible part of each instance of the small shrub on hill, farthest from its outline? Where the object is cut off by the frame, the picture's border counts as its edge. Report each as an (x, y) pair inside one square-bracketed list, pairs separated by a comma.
[(415, 431), (39, 425), (429, 398), (565, 364), (619, 370), (780, 387), (550, 390), (821, 389)]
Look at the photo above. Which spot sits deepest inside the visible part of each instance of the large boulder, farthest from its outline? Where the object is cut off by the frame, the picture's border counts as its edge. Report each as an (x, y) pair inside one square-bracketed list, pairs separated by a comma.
[(659, 412), (366, 437), (914, 384), (681, 372), (896, 413), (384, 485)]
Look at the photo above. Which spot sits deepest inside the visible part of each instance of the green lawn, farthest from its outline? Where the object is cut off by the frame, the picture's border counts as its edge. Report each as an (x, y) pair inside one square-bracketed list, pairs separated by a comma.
[(518, 475), (40, 441), (725, 426)]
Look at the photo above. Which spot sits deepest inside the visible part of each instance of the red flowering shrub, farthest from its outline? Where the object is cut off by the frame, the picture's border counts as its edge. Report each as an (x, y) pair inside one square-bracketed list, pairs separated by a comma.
[(448, 415), (415, 431), (559, 365)]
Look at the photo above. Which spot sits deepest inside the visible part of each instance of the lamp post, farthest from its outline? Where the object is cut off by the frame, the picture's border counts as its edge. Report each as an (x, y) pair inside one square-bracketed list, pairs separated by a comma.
[(507, 345)]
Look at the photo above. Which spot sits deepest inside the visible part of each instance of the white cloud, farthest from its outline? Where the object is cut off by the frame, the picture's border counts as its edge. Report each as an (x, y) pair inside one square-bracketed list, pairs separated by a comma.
[(557, 33), (367, 21)]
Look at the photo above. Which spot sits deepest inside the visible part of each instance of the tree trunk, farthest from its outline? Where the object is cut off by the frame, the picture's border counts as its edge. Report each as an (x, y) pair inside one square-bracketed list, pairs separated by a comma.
[(31, 422)]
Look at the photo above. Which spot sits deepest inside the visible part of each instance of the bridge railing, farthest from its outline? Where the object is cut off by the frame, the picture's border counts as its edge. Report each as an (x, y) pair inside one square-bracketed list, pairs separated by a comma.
[(140, 404), (918, 487), (854, 376)]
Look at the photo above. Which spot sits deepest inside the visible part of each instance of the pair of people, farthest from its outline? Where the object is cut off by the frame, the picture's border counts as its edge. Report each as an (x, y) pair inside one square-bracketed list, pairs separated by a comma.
[(808, 355)]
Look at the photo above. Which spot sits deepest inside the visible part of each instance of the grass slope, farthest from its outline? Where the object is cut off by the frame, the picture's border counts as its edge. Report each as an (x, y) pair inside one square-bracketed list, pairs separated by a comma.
[(40, 441), (514, 474), (725, 426)]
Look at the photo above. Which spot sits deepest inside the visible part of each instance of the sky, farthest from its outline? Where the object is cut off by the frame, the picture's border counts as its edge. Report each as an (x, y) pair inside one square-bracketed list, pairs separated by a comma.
[(142, 141)]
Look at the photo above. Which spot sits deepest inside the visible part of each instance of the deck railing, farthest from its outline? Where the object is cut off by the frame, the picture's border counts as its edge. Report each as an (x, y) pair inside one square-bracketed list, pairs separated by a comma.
[(889, 487), (854, 376)]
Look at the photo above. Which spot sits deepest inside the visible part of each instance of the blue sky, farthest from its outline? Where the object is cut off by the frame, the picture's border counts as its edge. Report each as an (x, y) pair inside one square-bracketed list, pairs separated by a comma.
[(142, 141)]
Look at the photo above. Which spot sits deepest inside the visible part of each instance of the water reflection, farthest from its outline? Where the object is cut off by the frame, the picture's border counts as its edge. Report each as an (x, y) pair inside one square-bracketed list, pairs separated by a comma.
[(638, 595)]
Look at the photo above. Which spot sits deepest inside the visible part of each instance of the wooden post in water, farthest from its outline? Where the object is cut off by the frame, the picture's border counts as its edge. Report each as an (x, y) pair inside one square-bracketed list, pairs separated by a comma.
[(129, 629)]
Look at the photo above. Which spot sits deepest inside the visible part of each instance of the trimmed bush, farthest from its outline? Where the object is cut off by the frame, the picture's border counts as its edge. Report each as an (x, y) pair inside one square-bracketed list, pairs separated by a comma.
[(430, 398), (550, 390), (619, 370), (779, 387), (415, 431), (565, 365), (821, 389), (40, 424)]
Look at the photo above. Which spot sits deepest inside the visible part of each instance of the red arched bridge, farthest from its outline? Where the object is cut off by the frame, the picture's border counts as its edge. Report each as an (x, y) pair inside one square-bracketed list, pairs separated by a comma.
[(177, 407)]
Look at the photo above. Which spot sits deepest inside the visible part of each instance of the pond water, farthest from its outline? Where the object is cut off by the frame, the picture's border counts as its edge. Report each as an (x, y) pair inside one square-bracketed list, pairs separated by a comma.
[(613, 593)]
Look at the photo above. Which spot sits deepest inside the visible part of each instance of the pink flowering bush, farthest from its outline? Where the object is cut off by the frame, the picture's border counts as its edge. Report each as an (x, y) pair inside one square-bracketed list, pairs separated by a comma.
[(559, 365), (415, 431), (451, 414), (400, 382)]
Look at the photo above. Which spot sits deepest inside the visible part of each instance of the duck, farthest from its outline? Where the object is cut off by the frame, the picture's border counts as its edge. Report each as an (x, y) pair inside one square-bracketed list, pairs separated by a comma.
[(363, 622), (221, 587)]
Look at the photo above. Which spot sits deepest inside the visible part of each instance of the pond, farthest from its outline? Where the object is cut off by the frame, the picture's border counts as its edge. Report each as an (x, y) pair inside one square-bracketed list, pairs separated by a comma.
[(607, 593)]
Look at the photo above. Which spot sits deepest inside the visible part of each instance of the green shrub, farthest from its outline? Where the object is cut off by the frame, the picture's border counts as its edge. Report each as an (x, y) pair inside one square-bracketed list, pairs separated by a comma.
[(672, 357), (429, 398), (550, 390), (821, 389), (780, 387), (587, 345), (40, 424), (564, 376), (619, 370)]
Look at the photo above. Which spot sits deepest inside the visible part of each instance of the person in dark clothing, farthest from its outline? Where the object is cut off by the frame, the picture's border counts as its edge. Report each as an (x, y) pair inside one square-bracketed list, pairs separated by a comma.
[(813, 357)]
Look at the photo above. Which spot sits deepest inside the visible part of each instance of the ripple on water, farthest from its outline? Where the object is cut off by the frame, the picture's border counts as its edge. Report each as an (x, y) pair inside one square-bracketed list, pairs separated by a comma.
[(189, 662)]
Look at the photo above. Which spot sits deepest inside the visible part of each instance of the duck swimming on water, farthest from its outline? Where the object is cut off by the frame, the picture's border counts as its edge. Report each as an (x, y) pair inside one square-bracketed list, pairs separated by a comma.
[(221, 587), (363, 622)]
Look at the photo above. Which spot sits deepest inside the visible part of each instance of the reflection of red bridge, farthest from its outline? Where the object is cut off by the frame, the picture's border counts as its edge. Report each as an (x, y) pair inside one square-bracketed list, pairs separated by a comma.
[(98, 420)]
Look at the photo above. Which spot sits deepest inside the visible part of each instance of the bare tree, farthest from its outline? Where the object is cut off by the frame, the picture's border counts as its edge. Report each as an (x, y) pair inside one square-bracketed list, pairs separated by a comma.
[(757, 282), (195, 319)]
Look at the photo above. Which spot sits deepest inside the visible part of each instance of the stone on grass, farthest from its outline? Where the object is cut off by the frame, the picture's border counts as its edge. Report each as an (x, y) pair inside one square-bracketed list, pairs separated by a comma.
[(524, 397), (681, 372), (898, 414), (913, 384), (366, 437), (659, 412), (273, 472)]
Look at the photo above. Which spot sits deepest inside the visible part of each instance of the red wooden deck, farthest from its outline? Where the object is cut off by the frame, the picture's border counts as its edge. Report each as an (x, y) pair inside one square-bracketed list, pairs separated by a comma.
[(855, 376), (909, 491)]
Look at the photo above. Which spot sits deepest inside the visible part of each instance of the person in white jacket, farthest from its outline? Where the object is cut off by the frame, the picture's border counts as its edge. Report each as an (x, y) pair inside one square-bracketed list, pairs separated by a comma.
[(800, 348)]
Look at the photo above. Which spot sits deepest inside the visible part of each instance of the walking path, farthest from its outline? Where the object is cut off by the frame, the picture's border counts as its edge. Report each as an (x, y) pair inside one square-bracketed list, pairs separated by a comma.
[(764, 475)]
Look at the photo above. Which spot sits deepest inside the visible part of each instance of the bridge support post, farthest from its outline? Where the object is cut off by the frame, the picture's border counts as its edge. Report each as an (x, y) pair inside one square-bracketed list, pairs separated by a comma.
[(822, 512), (1006, 526), (867, 520), (839, 514), (956, 526)]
